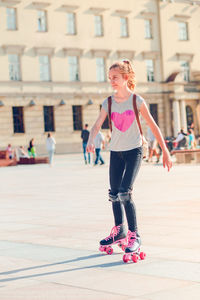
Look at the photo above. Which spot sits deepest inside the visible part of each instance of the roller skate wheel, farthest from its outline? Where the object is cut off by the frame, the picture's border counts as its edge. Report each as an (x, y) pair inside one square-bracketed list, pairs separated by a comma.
[(135, 258), (126, 258), (142, 255), (109, 250), (101, 248), (123, 247)]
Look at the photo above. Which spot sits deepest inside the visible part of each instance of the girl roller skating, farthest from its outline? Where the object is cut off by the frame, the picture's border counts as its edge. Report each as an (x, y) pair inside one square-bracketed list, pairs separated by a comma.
[(126, 153)]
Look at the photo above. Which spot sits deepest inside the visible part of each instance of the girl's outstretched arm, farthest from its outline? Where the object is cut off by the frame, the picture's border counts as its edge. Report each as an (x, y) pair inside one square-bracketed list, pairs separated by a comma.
[(158, 135), (95, 129)]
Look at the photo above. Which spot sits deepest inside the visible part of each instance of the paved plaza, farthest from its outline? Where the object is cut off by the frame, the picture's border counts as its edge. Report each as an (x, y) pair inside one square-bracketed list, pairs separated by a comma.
[(51, 220)]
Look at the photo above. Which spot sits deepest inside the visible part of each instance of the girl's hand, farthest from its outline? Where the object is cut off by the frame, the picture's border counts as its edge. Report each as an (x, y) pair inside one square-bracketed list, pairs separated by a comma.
[(90, 148), (167, 160)]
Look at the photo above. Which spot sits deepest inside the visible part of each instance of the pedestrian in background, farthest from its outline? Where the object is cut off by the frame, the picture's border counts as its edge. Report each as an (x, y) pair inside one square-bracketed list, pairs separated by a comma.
[(99, 142), (85, 135), (152, 144), (191, 139), (9, 151), (51, 146), (31, 148)]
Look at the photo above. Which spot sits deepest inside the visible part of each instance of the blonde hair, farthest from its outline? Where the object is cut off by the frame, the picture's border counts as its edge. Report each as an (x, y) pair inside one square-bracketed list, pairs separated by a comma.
[(125, 67)]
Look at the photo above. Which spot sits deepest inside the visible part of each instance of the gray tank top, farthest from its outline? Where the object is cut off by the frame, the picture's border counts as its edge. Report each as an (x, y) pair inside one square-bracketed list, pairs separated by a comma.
[(125, 131)]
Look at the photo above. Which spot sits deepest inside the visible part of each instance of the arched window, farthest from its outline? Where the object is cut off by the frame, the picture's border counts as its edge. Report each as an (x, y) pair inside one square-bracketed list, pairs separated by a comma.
[(189, 114)]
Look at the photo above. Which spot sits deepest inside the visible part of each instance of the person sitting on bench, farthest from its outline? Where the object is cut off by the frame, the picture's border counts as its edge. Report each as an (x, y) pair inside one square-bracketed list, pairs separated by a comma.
[(180, 140)]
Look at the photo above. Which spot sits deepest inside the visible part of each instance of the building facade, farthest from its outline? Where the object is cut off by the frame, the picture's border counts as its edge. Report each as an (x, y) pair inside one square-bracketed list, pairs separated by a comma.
[(54, 57)]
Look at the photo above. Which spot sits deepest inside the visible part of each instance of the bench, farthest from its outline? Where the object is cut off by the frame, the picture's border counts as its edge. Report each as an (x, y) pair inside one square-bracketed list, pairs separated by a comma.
[(5, 161), (33, 160), (186, 156)]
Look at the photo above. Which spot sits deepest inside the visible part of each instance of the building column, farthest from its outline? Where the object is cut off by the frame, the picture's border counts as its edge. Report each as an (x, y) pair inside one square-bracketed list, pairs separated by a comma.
[(166, 104), (176, 117), (198, 116), (183, 116)]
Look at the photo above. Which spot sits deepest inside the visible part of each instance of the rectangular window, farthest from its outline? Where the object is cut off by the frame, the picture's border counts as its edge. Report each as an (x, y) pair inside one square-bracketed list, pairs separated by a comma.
[(44, 68), (105, 124), (77, 117), (42, 20), (150, 70), (124, 27), (18, 119), (11, 18), (100, 63), (14, 67), (148, 29), (154, 112), (71, 26), (183, 31), (185, 66), (73, 68), (48, 118), (98, 21)]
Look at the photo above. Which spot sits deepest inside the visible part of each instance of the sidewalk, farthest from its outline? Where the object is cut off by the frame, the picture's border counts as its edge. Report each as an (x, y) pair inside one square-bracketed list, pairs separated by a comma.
[(51, 220)]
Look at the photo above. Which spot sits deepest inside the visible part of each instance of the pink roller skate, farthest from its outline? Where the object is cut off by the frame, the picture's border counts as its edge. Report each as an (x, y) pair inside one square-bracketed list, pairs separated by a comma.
[(132, 251), (117, 236)]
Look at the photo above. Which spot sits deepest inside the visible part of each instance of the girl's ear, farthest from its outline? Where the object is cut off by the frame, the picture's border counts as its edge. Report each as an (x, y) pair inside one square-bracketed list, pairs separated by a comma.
[(125, 76)]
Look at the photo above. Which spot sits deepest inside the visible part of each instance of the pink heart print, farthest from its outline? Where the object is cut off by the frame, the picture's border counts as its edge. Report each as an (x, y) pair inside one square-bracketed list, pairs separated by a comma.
[(123, 121)]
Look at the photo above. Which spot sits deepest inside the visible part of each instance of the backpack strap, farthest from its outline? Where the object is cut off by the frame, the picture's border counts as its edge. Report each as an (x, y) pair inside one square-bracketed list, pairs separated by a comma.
[(137, 114), (109, 112)]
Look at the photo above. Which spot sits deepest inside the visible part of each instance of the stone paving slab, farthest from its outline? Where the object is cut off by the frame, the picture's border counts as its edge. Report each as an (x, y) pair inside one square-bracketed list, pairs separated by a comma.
[(52, 291), (51, 220), (187, 292)]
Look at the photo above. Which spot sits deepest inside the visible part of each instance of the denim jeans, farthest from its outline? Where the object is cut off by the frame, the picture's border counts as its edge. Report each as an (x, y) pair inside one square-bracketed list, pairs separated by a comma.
[(84, 153), (124, 167), (98, 156)]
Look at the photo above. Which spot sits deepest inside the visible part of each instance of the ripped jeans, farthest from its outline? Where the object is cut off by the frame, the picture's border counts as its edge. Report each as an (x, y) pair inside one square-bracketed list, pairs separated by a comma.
[(124, 167)]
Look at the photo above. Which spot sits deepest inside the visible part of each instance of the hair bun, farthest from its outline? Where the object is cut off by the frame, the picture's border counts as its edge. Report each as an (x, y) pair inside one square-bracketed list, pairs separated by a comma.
[(126, 62)]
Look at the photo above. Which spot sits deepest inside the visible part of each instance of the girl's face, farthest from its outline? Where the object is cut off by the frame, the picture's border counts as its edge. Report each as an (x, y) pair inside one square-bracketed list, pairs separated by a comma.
[(117, 80)]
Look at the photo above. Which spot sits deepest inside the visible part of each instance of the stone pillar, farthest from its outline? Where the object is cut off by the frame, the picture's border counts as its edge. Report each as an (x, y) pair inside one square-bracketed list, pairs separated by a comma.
[(183, 116), (176, 117), (167, 120), (198, 116)]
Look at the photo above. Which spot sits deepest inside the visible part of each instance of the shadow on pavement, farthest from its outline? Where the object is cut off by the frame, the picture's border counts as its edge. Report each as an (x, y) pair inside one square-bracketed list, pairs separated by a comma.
[(105, 265)]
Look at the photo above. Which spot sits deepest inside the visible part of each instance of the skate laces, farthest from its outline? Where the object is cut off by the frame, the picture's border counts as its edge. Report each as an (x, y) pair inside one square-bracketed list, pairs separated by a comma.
[(131, 238), (115, 230)]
